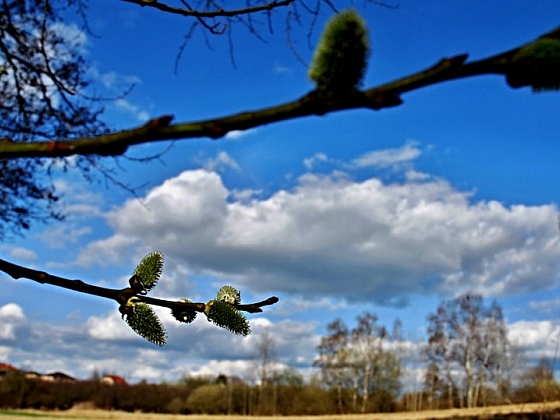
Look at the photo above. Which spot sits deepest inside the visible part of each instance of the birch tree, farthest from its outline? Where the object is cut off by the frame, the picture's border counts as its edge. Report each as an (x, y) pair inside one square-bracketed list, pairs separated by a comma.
[(468, 344), (359, 361)]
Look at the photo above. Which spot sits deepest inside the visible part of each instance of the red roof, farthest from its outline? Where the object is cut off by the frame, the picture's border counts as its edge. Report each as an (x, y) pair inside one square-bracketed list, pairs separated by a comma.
[(118, 380), (6, 366)]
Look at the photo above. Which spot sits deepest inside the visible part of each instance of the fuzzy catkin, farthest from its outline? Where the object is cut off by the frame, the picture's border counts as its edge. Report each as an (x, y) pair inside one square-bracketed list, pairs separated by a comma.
[(340, 59), (149, 270), (226, 316), (144, 321)]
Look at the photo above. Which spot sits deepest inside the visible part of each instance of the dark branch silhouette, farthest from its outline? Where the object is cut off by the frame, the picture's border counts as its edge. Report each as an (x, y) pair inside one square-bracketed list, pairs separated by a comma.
[(218, 12)]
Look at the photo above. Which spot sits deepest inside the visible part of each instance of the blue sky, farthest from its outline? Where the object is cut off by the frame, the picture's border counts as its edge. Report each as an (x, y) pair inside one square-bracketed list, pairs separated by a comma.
[(392, 211)]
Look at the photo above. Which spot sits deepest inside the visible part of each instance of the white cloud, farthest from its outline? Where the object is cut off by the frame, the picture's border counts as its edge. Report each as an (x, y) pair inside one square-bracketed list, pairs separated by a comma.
[(5, 352), (388, 157), (545, 306), (297, 304), (73, 36), (110, 327), (220, 162), (79, 201), (60, 236), (106, 251), (136, 111), (241, 368), (117, 85), (23, 254), (12, 312), (278, 68), (11, 317), (114, 81), (332, 236), (245, 194), (537, 338), (310, 163), (238, 134)]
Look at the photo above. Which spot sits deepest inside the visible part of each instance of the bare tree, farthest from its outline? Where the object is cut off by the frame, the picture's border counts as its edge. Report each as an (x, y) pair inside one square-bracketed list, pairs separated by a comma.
[(468, 344), (43, 85), (266, 357), (333, 359), (367, 349), (439, 353), (266, 366), (358, 361)]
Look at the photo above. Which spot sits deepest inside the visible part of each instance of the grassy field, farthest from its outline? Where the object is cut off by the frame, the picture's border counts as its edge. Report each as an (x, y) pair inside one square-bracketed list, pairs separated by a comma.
[(543, 410)]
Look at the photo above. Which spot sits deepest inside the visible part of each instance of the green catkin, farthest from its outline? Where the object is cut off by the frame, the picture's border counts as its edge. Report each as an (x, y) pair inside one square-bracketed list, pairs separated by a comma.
[(226, 316), (149, 270), (340, 59), (186, 316), (229, 294), (144, 322)]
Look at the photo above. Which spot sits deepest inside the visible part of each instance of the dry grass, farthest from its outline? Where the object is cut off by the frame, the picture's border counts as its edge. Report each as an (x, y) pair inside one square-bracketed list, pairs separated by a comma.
[(88, 414)]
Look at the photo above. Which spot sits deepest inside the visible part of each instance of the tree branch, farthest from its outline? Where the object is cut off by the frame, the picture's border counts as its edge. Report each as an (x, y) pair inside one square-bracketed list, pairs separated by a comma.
[(121, 296), (209, 13), (158, 129)]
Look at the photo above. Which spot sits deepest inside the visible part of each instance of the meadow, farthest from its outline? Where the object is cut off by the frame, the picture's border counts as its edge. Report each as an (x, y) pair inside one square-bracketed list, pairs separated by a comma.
[(544, 411)]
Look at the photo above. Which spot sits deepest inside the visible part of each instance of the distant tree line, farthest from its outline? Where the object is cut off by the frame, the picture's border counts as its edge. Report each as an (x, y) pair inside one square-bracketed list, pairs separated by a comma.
[(466, 362), (220, 395)]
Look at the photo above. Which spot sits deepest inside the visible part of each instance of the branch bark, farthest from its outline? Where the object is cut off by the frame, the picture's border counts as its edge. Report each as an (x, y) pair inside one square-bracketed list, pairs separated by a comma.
[(159, 129)]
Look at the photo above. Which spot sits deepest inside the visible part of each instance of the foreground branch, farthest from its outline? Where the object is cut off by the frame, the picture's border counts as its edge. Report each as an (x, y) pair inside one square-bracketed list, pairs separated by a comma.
[(121, 296), (377, 98)]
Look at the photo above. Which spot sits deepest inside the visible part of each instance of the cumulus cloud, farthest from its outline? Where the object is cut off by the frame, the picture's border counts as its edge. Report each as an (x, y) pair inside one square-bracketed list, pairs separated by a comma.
[(333, 236)]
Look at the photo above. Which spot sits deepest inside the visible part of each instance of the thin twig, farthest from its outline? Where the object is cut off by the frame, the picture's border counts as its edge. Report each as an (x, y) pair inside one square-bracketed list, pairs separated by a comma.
[(210, 13)]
